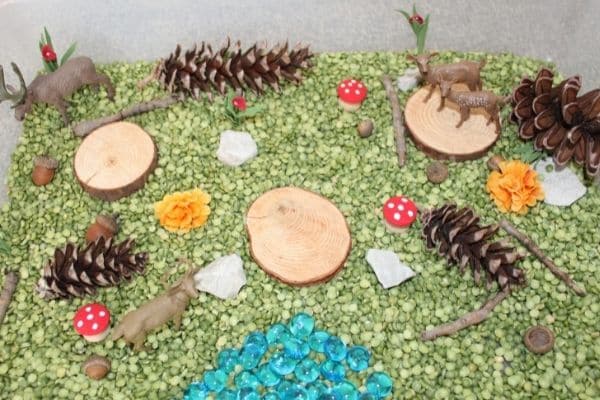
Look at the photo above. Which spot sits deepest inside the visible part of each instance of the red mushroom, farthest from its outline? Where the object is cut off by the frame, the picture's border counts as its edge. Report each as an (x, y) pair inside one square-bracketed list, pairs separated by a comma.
[(351, 94), (399, 213), (92, 322)]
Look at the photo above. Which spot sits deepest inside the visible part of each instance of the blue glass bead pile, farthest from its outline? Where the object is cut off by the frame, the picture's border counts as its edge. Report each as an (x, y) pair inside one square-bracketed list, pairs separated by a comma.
[(291, 362)]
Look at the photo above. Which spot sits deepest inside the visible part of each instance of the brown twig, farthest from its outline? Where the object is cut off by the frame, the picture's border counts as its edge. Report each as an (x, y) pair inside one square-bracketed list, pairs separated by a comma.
[(85, 127), (397, 119), (533, 248), (10, 285), (472, 318)]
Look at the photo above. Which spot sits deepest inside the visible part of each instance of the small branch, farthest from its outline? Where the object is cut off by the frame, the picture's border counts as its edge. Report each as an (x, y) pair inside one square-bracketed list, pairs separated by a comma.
[(10, 285), (533, 248), (472, 318), (397, 119), (86, 127)]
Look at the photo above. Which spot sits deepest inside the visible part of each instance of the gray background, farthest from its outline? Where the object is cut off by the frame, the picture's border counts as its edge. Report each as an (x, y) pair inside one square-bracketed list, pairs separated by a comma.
[(566, 32)]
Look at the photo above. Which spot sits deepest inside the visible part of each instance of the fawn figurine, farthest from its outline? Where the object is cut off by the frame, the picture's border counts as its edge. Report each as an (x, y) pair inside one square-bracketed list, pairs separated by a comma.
[(171, 305), (467, 72), (487, 100), (55, 87)]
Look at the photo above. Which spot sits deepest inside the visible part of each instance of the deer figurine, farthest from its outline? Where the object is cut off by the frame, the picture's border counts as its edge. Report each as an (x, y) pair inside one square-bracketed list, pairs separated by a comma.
[(55, 87), (491, 102), (171, 305), (467, 72)]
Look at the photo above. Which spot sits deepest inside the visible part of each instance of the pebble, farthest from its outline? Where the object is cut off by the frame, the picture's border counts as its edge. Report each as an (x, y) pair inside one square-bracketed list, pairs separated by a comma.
[(387, 267), (223, 278), (561, 187), (409, 80), (235, 148)]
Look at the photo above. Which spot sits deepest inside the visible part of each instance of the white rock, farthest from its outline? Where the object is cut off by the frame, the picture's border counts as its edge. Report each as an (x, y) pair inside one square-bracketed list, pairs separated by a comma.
[(235, 148), (388, 268), (409, 80), (561, 187), (223, 277)]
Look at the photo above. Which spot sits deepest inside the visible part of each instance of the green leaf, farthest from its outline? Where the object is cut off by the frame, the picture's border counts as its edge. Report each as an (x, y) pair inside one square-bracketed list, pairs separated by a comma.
[(48, 38), (4, 248), (68, 53), (252, 111), (405, 14), (414, 8)]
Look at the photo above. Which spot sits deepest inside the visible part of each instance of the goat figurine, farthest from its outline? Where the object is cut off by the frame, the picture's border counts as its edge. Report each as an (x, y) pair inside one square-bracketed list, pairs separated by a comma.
[(467, 72), (491, 102), (171, 305), (55, 87)]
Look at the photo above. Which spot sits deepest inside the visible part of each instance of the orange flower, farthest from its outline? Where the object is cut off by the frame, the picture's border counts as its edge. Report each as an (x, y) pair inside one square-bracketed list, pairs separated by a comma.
[(182, 211), (515, 187)]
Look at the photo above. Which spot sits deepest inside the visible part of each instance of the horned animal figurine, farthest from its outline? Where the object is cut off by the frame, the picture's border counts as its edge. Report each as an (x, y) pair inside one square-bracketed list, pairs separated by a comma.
[(55, 87), (491, 102), (171, 305), (467, 72)]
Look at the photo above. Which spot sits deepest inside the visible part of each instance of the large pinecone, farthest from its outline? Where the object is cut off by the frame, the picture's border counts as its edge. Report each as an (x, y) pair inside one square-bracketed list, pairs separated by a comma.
[(78, 272), (558, 120), (202, 70), (457, 235)]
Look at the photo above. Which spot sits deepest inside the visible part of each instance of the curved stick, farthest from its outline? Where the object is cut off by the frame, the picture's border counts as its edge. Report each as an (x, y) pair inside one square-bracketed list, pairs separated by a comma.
[(397, 119), (472, 318), (533, 248), (10, 285)]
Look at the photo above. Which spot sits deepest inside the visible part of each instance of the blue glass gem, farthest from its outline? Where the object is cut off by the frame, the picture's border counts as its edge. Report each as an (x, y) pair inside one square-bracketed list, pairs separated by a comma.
[(227, 360), (281, 364), (271, 396), (358, 358), (295, 348), (196, 391), (367, 396), (266, 376), (227, 394), (295, 392), (335, 348), (250, 356), (247, 394), (283, 386), (317, 340), (302, 325), (379, 384), (215, 380), (327, 396), (257, 339), (246, 379), (277, 334), (333, 370), (345, 390), (307, 371), (315, 389)]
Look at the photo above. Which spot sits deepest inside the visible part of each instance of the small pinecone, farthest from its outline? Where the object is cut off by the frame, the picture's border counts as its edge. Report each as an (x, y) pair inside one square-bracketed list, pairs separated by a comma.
[(457, 235), (75, 272), (202, 70)]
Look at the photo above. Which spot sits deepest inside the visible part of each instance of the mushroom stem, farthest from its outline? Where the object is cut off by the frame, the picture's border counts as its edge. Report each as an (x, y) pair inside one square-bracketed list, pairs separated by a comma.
[(397, 119)]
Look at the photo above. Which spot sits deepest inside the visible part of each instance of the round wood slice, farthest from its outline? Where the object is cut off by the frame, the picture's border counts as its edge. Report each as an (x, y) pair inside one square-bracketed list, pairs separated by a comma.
[(297, 236), (115, 160), (434, 132)]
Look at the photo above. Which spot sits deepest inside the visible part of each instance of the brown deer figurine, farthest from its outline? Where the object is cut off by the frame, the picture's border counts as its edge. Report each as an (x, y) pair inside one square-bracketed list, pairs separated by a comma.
[(55, 87), (491, 102), (171, 305), (467, 72)]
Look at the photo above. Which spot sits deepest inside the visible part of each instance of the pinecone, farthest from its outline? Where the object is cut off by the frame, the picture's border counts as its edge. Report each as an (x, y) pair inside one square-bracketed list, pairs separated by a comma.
[(560, 122), (202, 70), (458, 236), (78, 272)]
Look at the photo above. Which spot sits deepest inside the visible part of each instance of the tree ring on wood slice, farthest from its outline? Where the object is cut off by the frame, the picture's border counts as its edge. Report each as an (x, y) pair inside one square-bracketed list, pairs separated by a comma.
[(115, 160), (434, 132), (297, 236)]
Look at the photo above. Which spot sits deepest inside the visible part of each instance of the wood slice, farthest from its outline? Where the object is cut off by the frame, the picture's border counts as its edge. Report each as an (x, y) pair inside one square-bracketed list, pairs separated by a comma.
[(297, 236), (435, 133), (115, 160)]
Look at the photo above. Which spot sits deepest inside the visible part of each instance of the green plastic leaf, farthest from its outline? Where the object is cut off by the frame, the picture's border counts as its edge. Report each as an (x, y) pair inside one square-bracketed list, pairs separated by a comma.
[(48, 38), (405, 14), (252, 111), (68, 53)]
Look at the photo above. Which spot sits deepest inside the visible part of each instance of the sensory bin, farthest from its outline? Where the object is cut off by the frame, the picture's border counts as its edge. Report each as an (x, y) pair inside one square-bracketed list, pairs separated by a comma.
[(305, 140)]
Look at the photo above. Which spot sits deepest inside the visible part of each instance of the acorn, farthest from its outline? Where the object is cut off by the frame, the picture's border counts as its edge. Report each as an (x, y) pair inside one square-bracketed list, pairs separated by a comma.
[(96, 367), (494, 161), (437, 172), (43, 170), (365, 128), (539, 339), (105, 225)]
